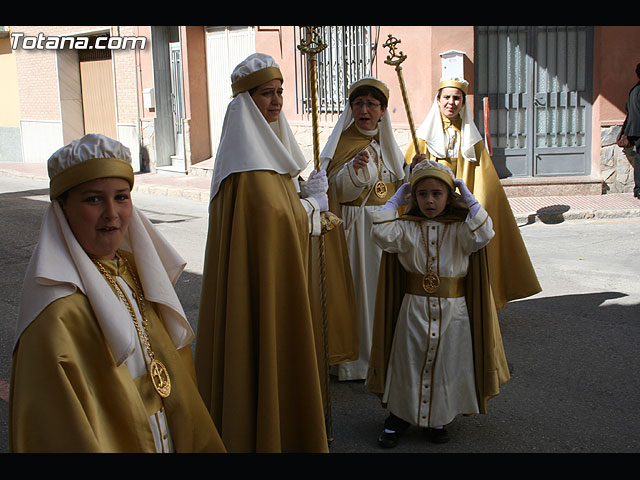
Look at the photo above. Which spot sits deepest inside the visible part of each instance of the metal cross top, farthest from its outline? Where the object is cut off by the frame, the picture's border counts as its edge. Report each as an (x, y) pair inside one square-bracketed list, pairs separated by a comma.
[(313, 44), (393, 58)]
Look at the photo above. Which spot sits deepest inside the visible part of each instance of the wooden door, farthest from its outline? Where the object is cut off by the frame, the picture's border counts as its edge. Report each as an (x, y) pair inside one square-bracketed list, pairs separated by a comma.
[(98, 97)]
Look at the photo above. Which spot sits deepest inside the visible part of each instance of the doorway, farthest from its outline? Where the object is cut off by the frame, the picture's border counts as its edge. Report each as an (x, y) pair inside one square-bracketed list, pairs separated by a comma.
[(538, 83), (227, 46)]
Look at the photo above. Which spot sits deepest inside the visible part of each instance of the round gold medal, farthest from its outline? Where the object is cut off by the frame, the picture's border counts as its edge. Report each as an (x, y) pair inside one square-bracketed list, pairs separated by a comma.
[(160, 378), (430, 282), (380, 189)]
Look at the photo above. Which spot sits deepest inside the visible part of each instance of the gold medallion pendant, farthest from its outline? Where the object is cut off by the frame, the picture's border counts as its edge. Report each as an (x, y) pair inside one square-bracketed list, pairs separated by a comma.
[(380, 189), (430, 282), (157, 371), (160, 378)]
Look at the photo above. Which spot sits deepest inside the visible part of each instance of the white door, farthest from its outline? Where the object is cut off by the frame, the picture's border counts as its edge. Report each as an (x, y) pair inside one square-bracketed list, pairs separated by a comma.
[(226, 48)]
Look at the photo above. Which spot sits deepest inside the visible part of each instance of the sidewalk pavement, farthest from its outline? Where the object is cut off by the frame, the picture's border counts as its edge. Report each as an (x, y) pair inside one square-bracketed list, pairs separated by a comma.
[(549, 209)]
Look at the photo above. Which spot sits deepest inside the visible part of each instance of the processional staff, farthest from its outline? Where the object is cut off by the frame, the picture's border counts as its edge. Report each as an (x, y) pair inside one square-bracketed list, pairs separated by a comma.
[(311, 46), (395, 59)]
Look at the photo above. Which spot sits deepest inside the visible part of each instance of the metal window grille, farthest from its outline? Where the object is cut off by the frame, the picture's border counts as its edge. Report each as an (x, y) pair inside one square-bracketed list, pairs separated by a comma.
[(347, 58)]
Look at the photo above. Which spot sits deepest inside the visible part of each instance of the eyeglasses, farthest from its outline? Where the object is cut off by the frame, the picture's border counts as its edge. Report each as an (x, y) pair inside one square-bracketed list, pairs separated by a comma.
[(359, 104)]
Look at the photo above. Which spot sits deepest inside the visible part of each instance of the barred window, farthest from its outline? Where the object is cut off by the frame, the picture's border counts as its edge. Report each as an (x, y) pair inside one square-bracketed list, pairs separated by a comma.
[(347, 58)]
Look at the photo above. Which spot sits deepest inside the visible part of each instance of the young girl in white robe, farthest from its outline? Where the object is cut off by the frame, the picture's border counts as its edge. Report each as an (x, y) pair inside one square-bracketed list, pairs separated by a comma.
[(430, 375)]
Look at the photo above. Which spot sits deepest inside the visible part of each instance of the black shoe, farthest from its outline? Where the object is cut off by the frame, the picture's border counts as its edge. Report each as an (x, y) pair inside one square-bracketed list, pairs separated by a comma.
[(388, 439), (436, 435)]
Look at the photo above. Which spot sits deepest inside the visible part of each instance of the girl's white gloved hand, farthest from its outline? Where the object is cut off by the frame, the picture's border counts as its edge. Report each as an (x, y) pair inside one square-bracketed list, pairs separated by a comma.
[(399, 198), (467, 197)]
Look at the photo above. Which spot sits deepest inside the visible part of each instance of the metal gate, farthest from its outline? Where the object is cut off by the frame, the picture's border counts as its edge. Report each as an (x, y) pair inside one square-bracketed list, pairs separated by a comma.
[(539, 87)]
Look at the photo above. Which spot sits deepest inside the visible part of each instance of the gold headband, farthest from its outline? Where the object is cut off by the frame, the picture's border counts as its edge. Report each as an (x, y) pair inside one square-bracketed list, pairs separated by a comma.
[(459, 84), (90, 170), (423, 173), (369, 82), (246, 83)]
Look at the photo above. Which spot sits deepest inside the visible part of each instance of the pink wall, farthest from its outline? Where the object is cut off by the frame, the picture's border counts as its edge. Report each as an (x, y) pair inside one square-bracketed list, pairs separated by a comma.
[(423, 67), (277, 41), (616, 54), (421, 70), (195, 91), (145, 70), (615, 57)]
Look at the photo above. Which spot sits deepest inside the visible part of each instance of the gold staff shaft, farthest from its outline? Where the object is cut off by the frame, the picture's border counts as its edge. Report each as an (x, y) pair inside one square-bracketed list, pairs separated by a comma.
[(307, 46), (313, 82), (395, 59), (407, 107)]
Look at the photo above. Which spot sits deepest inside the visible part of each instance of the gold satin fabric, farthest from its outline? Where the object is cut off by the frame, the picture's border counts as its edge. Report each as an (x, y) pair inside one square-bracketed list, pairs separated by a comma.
[(67, 395), (256, 359)]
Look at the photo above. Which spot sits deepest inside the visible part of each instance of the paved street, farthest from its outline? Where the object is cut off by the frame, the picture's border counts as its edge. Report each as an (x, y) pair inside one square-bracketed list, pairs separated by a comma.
[(572, 349)]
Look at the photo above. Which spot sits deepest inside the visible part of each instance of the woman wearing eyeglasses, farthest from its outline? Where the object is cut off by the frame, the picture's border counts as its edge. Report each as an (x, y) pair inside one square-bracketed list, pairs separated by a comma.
[(364, 167)]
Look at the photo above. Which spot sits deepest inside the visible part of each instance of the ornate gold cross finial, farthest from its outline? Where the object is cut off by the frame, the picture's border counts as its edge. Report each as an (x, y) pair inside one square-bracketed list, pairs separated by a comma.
[(393, 58), (313, 44)]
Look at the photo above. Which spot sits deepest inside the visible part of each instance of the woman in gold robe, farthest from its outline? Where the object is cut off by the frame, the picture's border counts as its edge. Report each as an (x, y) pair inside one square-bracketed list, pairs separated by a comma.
[(102, 360), (256, 358), (448, 135), (364, 166)]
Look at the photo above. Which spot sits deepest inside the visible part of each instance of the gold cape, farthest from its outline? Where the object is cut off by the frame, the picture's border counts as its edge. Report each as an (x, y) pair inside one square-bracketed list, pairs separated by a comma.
[(256, 361), (490, 362), (511, 271), (68, 395), (340, 300)]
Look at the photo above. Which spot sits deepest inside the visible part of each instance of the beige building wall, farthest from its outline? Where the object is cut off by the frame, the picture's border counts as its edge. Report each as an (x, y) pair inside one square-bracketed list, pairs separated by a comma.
[(45, 78), (10, 144), (10, 111)]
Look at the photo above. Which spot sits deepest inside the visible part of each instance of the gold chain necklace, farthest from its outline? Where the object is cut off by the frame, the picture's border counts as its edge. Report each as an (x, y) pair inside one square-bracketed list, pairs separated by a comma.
[(157, 371), (431, 280), (380, 187)]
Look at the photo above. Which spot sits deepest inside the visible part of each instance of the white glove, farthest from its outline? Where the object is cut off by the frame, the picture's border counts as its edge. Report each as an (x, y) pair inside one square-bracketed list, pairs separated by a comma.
[(399, 198), (467, 197), (316, 187)]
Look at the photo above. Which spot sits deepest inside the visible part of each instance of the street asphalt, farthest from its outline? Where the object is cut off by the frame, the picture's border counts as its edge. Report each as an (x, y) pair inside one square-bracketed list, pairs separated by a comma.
[(572, 349)]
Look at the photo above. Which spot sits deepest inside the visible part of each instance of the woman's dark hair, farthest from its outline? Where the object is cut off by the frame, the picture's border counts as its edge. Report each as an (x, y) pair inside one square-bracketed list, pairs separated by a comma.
[(368, 90)]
